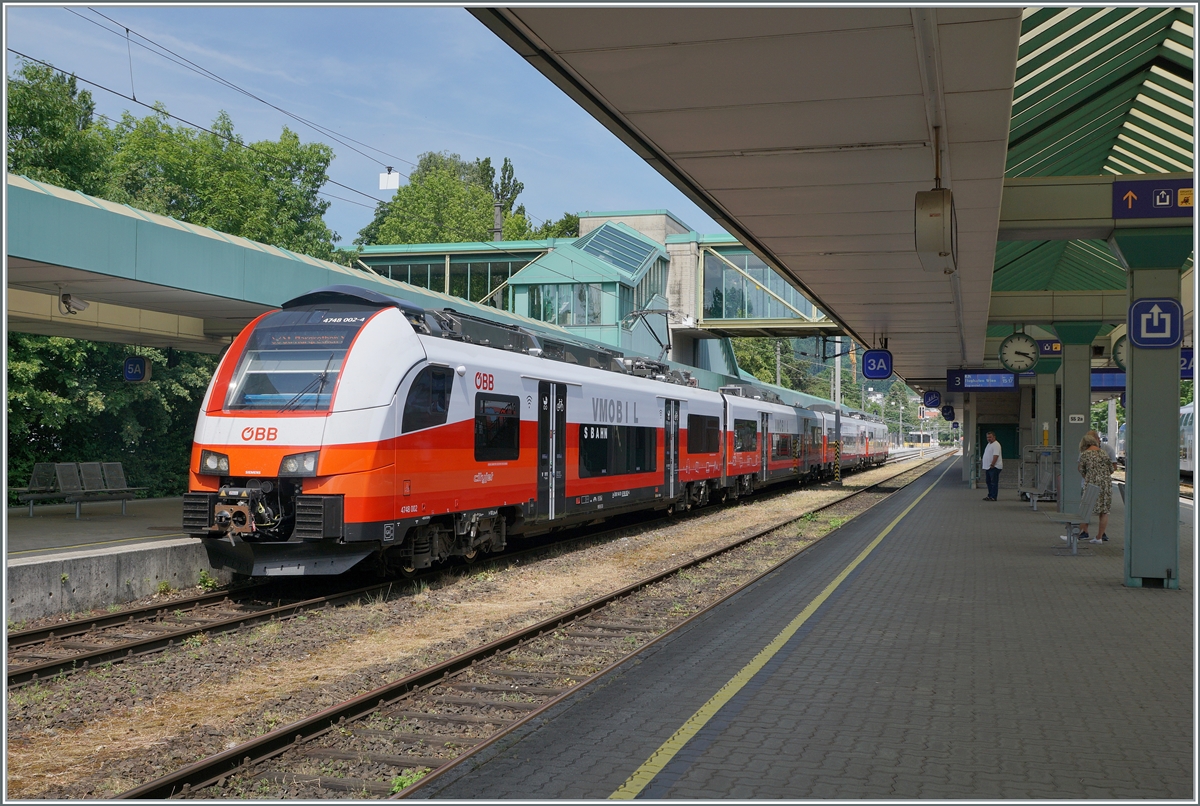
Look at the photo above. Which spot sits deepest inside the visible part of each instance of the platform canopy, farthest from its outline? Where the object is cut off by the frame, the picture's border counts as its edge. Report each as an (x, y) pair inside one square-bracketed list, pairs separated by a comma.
[(806, 133)]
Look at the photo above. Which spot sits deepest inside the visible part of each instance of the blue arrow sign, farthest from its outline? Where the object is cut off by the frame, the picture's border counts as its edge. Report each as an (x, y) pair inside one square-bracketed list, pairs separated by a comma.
[(932, 399), (877, 365), (1152, 198), (1155, 323)]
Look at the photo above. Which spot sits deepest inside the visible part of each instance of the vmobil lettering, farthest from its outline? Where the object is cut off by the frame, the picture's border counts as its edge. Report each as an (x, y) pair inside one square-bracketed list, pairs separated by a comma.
[(607, 410)]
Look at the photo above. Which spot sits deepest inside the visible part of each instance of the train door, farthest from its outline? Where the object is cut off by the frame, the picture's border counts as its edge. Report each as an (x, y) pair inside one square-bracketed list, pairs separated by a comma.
[(671, 447), (552, 459), (764, 445)]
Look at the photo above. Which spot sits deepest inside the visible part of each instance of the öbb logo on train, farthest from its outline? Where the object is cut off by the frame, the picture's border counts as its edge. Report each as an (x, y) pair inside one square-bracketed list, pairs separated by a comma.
[(260, 434), (485, 381)]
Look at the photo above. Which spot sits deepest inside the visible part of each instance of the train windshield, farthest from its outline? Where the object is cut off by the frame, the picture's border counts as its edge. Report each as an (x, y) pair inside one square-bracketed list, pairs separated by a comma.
[(292, 359)]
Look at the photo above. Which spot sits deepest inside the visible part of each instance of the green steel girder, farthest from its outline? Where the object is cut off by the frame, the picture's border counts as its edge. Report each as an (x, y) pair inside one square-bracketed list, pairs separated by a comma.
[(1153, 249)]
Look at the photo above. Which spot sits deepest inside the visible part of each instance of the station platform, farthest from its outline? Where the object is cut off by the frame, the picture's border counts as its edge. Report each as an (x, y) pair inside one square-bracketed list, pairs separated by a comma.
[(960, 658), (57, 564)]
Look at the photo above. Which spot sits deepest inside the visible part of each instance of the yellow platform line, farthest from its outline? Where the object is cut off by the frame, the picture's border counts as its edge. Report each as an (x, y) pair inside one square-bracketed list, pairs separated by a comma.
[(659, 759)]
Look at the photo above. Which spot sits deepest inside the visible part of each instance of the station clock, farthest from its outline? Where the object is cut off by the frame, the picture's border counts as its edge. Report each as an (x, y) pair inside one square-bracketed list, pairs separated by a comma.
[(1019, 352), (1120, 351)]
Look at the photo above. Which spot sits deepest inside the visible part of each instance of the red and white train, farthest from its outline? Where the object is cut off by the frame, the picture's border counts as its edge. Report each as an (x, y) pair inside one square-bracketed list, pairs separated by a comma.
[(351, 425)]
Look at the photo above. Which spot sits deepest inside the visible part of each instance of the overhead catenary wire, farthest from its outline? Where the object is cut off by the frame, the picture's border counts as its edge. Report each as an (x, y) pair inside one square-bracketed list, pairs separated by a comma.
[(234, 141), (188, 64)]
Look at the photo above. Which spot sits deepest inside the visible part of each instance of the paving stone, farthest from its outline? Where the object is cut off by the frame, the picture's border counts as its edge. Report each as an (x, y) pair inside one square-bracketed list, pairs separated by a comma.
[(962, 659)]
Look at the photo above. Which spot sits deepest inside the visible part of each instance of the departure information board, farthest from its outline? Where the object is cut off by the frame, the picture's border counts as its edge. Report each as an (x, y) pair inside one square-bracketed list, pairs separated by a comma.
[(980, 380)]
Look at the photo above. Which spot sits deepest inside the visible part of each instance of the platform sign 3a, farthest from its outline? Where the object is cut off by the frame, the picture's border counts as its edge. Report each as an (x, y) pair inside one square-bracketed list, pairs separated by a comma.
[(1153, 198), (877, 365), (136, 369), (932, 399), (1187, 364), (1155, 323)]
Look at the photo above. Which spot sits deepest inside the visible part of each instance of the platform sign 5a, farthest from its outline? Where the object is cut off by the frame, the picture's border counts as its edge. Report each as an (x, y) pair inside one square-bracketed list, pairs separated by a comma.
[(1187, 364), (947, 412), (1153, 198), (1155, 323), (877, 365), (932, 399), (136, 369)]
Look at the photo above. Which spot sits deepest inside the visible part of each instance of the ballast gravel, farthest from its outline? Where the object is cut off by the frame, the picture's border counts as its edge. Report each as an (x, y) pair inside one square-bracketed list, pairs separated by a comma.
[(97, 734)]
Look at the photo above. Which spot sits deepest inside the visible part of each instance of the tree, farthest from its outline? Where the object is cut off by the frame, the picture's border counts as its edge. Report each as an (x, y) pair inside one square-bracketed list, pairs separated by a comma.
[(266, 191), (67, 401), (565, 227), (450, 200), (52, 135)]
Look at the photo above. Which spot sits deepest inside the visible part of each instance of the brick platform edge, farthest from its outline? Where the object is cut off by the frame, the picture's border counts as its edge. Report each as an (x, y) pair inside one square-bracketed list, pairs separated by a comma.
[(85, 580)]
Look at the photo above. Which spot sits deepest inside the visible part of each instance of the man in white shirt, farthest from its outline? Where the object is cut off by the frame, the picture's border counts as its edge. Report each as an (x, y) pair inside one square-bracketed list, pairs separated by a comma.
[(993, 463)]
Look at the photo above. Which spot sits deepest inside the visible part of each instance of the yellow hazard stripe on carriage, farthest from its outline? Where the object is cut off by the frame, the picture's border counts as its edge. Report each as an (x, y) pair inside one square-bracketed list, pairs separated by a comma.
[(659, 759)]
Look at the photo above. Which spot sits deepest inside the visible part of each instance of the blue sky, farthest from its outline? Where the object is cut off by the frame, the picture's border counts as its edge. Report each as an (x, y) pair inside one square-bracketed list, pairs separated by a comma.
[(404, 80)]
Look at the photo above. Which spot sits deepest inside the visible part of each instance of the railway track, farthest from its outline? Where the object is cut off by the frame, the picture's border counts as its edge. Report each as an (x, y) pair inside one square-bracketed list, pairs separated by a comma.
[(39, 654), (386, 741)]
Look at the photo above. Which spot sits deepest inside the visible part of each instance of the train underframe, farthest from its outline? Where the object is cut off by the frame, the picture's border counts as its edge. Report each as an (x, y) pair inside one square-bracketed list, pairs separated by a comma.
[(266, 527)]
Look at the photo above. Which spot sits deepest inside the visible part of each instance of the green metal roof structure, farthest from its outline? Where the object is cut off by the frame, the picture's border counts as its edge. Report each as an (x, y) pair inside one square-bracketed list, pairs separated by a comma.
[(1098, 91)]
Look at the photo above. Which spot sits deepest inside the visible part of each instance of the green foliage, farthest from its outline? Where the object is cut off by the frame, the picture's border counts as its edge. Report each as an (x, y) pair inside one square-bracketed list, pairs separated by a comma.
[(164, 588), (757, 356), (266, 192), (450, 200), (408, 778), (52, 135), (565, 227), (1185, 396), (67, 402), (207, 581)]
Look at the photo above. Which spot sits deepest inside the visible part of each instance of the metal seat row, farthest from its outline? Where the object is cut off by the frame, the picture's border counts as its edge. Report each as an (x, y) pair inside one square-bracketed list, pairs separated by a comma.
[(76, 483)]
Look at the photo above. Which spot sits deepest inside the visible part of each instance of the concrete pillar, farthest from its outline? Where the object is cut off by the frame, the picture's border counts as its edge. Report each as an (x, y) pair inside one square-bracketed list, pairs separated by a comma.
[(1152, 259), (1076, 338), (967, 421), (1045, 416), (1112, 423)]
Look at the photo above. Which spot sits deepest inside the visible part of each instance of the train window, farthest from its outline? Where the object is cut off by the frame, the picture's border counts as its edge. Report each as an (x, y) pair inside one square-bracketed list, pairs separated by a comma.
[(428, 400), (614, 450), (703, 434), (745, 435), (497, 428), (292, 359), (781, 446)]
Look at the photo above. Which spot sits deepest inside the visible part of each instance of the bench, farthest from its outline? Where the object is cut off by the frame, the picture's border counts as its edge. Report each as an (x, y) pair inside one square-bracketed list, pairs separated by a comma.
[(1073, 520), (1043, 482), (101, 481), (77, 483), (42, 486)]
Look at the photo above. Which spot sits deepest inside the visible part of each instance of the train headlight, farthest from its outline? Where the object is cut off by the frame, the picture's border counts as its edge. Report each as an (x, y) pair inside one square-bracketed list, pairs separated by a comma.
[(299, 464), (212, 463)]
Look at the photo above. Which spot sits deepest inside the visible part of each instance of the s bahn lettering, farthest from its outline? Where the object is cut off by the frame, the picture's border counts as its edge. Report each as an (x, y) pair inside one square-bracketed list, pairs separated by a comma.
[(260, 434), (593, 431), (607, 410), (485, 381)]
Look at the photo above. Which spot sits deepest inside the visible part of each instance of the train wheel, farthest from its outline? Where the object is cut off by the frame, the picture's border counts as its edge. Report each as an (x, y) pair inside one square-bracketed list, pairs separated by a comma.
[(470, 556)]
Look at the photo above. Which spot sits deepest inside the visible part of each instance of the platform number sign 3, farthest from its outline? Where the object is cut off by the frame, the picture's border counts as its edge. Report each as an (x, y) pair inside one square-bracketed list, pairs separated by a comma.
[(877, 365)]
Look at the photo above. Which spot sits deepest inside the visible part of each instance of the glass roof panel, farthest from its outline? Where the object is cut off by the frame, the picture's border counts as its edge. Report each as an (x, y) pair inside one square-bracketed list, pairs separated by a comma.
[(621, 249)]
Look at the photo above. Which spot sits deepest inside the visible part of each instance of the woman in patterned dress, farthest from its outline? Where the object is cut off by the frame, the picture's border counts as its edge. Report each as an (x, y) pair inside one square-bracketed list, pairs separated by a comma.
[(1096, 469)]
